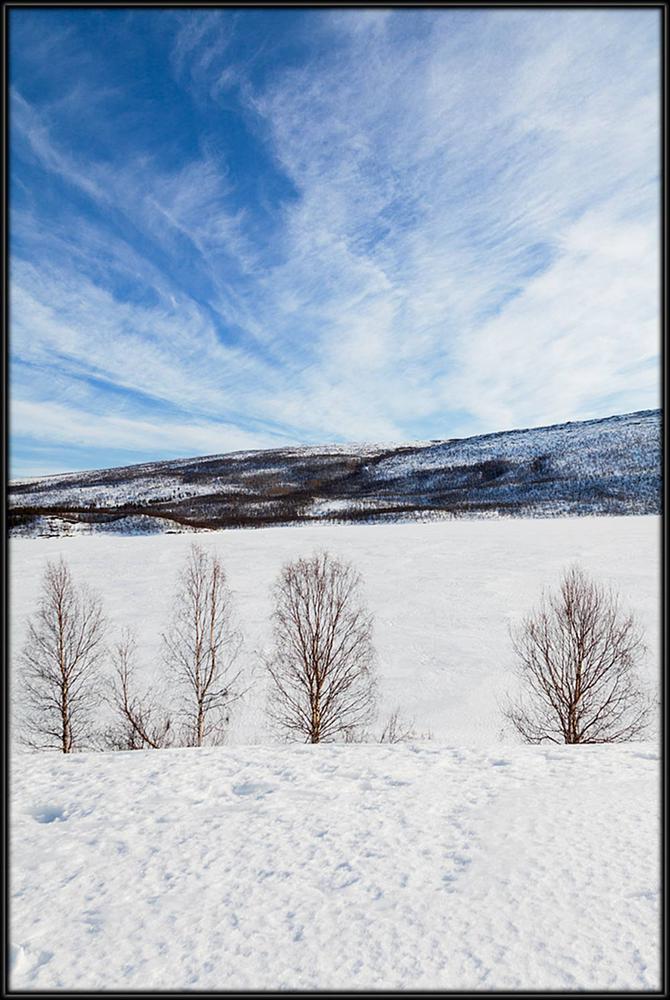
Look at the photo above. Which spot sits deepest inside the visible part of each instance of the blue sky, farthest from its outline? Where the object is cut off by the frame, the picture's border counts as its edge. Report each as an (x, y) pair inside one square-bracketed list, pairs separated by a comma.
[(234, 229)]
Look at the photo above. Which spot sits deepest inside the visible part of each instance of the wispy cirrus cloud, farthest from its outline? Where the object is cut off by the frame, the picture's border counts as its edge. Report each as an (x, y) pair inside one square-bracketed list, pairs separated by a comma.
[(59, 423), (379, 225)]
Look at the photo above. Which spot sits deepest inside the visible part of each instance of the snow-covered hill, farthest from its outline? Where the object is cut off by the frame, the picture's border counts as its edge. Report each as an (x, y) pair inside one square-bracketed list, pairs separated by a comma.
[(610, 466), (337, 867)]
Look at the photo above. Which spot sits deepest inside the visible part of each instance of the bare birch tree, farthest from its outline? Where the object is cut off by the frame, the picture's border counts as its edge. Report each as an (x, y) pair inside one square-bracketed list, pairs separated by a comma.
[(60, 665), (201, 648), (141, 723), (322, 664), (576, 659)]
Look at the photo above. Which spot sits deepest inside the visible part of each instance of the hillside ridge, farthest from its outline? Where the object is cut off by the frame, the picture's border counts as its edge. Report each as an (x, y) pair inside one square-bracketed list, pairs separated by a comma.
[(609, 465)]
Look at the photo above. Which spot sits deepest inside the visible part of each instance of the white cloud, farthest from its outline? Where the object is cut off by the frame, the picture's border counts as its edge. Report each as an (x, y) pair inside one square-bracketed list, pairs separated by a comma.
[(567, 344), (66, 424), (472, 245), (460, 158)]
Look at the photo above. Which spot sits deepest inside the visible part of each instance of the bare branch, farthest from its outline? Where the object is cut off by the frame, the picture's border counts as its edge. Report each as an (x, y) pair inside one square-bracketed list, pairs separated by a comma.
[(577, 657), (322, 664), (60, 665), (141, 724), (201, 648), (399, 730)]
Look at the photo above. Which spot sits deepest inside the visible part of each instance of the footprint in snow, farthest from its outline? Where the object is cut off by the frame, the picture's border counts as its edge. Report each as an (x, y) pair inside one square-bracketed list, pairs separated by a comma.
[(461, 864), (49, 814), (24, 962), (256, 788)]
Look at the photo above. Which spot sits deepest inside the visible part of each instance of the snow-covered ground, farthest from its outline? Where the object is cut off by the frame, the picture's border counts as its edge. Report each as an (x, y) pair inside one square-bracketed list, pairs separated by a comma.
[(418, 866), (465, 863), (443, 595)]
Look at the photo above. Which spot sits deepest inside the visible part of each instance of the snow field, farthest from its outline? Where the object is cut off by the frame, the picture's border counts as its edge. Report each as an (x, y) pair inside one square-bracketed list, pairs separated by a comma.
[(419, 866), (460, 863), (443, 595)]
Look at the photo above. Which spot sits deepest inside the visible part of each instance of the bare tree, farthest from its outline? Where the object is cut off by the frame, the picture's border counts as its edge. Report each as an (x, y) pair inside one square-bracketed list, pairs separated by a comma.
[(577, 657), (201, 648), (60, 661), (322, 664), (141, 724)]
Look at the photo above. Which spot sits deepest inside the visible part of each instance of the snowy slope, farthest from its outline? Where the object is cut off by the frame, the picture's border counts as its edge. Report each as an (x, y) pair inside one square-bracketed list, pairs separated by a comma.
[(337, 867), (609, 466), (442, 594)]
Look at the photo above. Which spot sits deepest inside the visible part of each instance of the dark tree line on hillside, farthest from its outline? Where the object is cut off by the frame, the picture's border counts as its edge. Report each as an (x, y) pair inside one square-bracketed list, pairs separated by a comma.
[(576, 660)]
